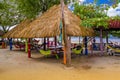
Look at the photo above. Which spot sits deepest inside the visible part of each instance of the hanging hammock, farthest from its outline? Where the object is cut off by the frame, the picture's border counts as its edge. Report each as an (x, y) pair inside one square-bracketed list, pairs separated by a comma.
[(113, 49), (47, 53), (78, 50)]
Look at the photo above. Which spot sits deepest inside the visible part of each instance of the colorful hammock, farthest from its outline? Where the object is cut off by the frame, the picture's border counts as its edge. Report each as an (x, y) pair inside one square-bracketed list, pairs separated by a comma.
[(115, 50), (47, 53)]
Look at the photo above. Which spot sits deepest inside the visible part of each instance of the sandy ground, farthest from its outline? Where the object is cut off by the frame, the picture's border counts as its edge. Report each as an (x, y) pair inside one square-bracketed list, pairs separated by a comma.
[(14, 65)]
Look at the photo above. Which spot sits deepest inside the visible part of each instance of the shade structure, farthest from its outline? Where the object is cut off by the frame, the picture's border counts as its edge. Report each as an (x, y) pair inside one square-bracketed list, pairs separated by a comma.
[(48, 25), (13, 33), (1, 33), (114, 24)]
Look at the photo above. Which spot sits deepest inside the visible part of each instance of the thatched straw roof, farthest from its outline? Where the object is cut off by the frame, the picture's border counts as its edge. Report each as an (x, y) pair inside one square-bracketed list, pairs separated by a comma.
[(13, 33), (47, 25), (1, 32)]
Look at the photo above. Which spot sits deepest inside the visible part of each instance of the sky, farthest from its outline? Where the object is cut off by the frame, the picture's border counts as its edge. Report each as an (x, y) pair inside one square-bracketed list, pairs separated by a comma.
[(99, 2), (114, 11), (111, 11)]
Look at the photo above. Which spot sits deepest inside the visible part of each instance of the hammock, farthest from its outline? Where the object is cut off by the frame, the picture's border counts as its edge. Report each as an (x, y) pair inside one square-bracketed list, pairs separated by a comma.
[(47, 53), (19, 46), (115, 50), (77, 51)]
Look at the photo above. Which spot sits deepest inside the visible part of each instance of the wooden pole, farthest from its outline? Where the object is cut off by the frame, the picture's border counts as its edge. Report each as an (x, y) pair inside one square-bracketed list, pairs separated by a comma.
[(107, 41), (48, 43), (29, 49), (44, 46), (101, 42), (91, 45), (26, 45), (79, 40), (55, 41), (70, 39), (66, 42), (86, 50)]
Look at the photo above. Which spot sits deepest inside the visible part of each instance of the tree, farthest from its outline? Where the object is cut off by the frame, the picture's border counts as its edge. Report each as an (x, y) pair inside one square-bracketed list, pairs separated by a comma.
[(9, 15), (32, 8), (92, 14)]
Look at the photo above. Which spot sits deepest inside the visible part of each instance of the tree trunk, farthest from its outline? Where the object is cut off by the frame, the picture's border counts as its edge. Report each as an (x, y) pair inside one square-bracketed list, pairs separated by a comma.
[(67, 53)]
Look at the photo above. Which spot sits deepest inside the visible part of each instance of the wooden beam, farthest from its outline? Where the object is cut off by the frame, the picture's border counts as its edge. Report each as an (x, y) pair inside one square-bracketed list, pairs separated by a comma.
[(29, 49), (101, 42), (66, 42)]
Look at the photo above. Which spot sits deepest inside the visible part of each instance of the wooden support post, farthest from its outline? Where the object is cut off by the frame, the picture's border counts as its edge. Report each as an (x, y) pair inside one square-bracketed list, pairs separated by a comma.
[(26, 45), (101, 42), (48, 43), (107, 41), (3, 44), (29, 49), (86, 50), (79, 40), (44, 46), (91, 45), (66, 42), (55, 41)]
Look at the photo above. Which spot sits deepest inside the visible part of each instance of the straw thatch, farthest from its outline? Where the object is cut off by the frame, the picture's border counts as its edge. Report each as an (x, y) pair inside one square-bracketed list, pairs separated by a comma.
[(1, 33), (13, 33), (47, 25)]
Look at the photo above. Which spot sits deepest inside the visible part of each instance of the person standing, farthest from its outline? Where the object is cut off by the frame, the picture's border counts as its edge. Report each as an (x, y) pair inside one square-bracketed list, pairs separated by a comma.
[(10, 43)]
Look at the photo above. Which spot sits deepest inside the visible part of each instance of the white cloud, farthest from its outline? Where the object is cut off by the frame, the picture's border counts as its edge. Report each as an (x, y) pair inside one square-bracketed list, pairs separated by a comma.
[(81, 1), (114, 11)]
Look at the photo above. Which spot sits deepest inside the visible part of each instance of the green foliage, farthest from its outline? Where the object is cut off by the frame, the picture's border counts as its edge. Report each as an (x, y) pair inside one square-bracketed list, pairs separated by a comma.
[(90, 11), (115, 18), (32, 8), (92, 15), (96, 22), (9, 16), (115, 33), (13, 12)]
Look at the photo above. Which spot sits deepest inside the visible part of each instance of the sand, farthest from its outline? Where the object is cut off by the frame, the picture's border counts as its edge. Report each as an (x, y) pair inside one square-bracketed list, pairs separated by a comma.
[(14, 65)]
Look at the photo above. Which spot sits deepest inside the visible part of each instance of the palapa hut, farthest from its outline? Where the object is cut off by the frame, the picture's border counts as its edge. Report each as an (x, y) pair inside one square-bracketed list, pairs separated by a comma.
[(48, 25), (13, 33), (113, 25)]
